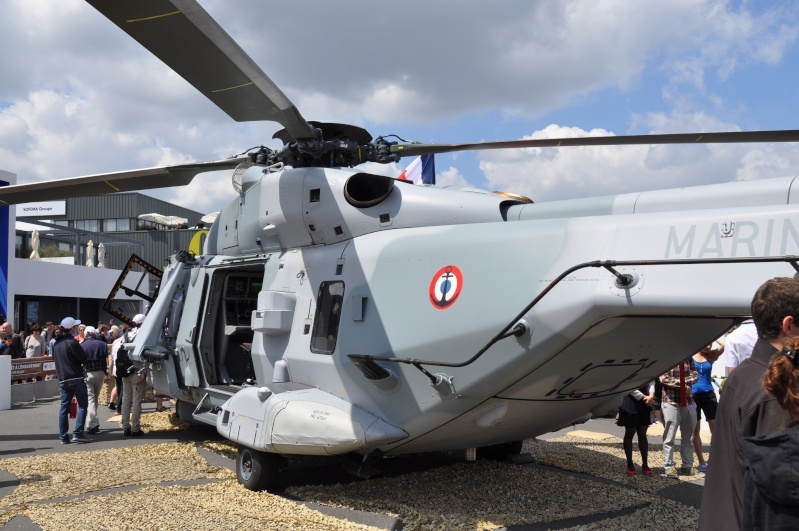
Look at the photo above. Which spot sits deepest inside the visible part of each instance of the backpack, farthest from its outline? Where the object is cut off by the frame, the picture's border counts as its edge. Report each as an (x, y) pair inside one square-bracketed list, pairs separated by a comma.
[(17, 349), (123, 363), (28, 344)]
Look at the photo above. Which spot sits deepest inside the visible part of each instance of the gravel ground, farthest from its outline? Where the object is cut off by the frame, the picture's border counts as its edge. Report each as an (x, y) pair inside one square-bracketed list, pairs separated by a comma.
[(47, 479), (463, 496), (487, 495), (50, 476), (481, 495), (605, 459), (217, 506), (661, 514)]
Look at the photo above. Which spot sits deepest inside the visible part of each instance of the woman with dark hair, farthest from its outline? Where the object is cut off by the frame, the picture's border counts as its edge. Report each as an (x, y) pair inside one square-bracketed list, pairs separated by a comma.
[(35, 346), (705, 396), (771, 499), (634, 416)]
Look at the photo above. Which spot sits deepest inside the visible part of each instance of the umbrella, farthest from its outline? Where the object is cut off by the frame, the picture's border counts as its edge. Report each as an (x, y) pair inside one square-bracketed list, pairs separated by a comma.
[(90, 254), (169, 221), (101, 255), (35, 245), (209, 218)]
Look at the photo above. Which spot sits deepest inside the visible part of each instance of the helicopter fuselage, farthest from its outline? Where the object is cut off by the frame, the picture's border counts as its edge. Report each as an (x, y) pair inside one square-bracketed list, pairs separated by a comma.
[(313, 269)]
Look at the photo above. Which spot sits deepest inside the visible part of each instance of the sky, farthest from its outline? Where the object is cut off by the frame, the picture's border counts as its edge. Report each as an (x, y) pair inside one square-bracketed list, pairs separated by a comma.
[(78, 96)]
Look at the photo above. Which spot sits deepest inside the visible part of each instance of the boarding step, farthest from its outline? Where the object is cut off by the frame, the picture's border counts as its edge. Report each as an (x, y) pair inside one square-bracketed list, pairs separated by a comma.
[(206, 417), (228, 390), (215, 396)]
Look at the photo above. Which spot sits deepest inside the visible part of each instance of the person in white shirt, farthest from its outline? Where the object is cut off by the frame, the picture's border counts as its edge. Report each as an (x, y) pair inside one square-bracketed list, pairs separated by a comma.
[(133, 383), (739, 344)]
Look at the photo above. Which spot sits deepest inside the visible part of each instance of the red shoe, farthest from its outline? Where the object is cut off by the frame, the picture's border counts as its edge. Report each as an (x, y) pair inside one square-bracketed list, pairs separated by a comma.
[(647, 471), (631, 471)]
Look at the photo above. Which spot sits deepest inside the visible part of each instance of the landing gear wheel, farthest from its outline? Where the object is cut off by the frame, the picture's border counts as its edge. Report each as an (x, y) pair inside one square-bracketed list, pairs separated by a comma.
[(256, 470), (500, 452)]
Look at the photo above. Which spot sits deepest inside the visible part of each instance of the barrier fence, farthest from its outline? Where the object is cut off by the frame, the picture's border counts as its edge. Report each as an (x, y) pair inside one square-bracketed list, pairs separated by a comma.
[(27, 368), (26, 380)]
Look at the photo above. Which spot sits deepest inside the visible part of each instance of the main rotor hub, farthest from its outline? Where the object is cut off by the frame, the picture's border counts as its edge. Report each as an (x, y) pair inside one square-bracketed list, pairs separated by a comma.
[(335, 146)]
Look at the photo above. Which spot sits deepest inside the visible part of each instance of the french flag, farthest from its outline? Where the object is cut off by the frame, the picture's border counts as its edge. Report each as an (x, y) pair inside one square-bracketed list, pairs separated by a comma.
[(421, 171)]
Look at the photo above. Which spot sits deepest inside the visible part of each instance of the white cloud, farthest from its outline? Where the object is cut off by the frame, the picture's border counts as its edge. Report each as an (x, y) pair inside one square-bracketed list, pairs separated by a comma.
[(724, 37), (563, 173), (207, 193), (450, 177), (767, 161), (519, 55), (78, 96)]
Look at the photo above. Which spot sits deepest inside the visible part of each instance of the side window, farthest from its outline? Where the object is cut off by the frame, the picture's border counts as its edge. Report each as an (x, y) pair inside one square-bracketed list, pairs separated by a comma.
[(328, 315)]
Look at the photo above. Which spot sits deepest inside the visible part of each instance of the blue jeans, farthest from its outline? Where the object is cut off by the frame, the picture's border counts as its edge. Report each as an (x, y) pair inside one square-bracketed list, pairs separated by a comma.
[(70, 388), (120, 388)]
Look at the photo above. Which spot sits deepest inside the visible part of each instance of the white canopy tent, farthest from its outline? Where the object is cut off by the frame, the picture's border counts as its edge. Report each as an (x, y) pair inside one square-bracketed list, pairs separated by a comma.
[(169, 221)]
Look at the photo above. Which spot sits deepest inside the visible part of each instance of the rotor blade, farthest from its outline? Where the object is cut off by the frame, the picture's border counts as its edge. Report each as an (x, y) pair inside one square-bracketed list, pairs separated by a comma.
[(415, 150), (185, 37), (109, 183)]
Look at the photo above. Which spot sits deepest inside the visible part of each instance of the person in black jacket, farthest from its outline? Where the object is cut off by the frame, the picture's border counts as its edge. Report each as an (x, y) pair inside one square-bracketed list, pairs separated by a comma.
[(16, 349), (96, 369), (634, 416), (745, 408), (771, 499), (70, 359)]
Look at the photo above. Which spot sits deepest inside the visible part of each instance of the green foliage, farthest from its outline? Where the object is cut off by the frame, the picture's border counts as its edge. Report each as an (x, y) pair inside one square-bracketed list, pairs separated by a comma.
[(51, 251)]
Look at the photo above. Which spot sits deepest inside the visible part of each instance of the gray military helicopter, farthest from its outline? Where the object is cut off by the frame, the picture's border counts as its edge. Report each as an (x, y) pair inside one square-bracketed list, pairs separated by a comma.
[(334, 311)]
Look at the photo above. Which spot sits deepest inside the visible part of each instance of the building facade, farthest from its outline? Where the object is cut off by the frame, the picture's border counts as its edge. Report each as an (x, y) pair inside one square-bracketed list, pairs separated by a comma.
[(61, 283), (112, 220)]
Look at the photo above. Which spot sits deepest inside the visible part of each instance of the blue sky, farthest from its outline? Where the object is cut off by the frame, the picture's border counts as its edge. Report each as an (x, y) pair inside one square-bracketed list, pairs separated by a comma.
[(77, 96)]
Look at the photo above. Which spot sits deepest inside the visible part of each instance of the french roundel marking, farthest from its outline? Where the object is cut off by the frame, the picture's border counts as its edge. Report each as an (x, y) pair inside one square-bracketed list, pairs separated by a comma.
[(446, 287)]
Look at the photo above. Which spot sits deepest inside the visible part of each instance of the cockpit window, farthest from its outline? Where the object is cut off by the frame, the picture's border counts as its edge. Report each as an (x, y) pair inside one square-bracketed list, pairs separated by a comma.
[(328, 314)]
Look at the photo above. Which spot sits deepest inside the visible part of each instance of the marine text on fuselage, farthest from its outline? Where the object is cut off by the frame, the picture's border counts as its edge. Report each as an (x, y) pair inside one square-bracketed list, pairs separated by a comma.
[(728, 239)]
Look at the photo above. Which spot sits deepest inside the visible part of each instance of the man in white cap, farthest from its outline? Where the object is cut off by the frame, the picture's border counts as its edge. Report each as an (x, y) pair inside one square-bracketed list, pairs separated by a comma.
[(70, 358), (96, 368), (132, 382)]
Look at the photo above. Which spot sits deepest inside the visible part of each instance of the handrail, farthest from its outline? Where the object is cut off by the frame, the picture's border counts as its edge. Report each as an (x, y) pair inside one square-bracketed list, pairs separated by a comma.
[(362, 360)]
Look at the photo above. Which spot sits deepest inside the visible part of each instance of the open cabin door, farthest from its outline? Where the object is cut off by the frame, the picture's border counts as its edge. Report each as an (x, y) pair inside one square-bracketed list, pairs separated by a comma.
[(225, 332), (190, 295)]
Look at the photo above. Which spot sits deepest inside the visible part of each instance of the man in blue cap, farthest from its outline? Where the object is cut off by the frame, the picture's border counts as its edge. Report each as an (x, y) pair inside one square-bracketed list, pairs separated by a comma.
[(70, 359), (96, 368)]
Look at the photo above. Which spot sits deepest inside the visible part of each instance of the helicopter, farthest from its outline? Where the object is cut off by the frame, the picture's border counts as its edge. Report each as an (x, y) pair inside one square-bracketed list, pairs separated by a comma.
[(338, 312)]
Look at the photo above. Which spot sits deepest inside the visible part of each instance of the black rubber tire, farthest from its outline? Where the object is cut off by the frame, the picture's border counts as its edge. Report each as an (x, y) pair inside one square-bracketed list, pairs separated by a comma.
[(256, 470), (500, 452)]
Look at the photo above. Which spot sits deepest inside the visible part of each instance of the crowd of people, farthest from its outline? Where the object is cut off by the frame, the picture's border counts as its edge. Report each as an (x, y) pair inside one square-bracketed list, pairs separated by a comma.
[(38, 341), (82, 349), (85, 358), (677, 399), (751, 475)]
